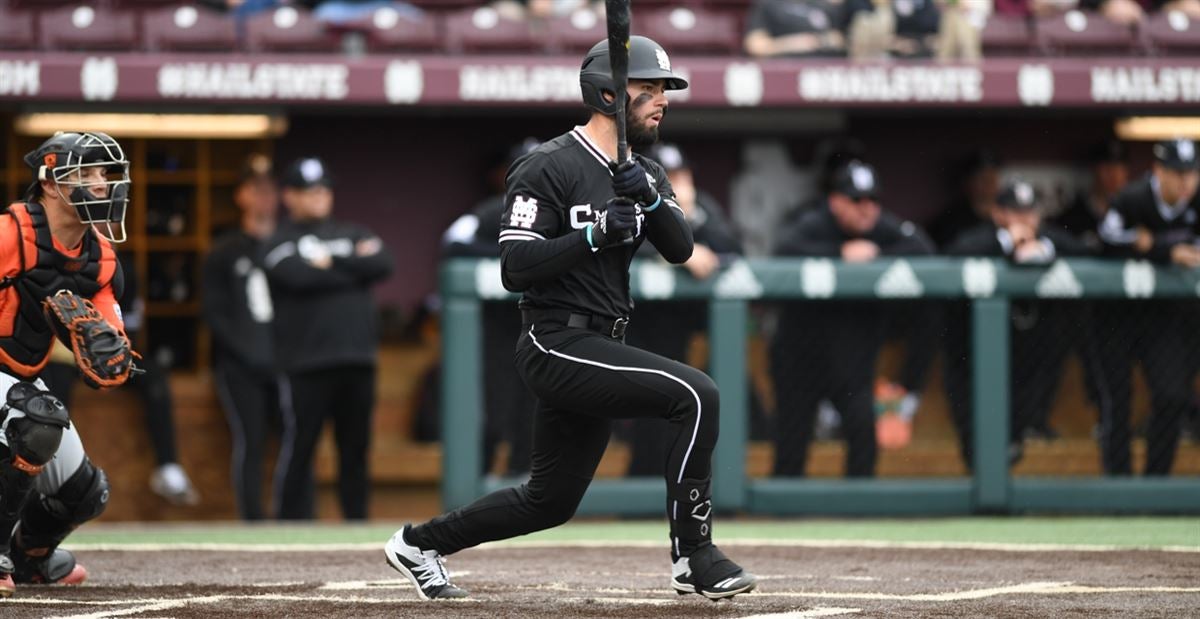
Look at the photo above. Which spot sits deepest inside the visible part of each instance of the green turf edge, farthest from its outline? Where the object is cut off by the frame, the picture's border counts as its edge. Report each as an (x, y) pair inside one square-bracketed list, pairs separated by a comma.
[(1133, 532)]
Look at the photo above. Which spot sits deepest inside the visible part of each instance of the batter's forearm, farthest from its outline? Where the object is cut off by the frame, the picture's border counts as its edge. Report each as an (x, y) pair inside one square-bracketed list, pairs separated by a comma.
[(525, 263), (670, 233)]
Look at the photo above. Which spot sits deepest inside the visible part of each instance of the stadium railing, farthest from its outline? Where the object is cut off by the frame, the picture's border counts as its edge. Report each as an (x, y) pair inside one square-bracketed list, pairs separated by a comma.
[(990, 284)]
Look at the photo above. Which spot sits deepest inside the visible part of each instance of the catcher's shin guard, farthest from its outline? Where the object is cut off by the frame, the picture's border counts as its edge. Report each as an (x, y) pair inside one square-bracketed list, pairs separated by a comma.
[(47, 520), (36, 420)]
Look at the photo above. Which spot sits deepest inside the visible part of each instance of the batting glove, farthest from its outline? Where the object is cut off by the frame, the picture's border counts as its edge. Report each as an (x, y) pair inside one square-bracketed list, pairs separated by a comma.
[(630, 180), (616, 225)]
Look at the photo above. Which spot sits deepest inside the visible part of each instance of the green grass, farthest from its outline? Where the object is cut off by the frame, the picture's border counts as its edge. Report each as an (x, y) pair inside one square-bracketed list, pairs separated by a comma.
[(1130, 532)]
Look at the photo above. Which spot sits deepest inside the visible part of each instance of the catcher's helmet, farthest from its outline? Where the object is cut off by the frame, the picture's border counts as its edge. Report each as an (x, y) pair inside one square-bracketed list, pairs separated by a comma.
[(66, 153), (647, 61)]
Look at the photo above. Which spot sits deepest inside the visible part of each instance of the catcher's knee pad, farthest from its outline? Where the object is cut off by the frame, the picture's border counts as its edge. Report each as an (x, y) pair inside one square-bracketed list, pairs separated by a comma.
[(36, 420), (82, 497)]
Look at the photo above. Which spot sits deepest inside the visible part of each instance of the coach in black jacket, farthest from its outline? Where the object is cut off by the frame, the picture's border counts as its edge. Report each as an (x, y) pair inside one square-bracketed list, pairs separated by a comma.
[(1042, 332), (827, 349), (1154, 218), (321, 272)]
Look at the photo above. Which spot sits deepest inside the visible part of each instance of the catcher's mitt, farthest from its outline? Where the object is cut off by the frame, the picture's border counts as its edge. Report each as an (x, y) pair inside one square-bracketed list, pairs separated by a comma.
[(102, 352)]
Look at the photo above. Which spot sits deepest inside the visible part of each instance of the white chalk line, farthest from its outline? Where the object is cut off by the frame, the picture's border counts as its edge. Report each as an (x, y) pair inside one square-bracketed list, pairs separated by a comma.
[(796, 543), (161, 604)]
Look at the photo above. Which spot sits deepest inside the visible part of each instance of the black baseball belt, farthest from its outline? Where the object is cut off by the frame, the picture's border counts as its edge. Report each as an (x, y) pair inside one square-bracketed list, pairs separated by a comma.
[(604, 325)]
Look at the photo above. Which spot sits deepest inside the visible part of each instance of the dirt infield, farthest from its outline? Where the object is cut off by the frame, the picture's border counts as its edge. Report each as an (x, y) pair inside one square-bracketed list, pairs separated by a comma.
[(567, 581)]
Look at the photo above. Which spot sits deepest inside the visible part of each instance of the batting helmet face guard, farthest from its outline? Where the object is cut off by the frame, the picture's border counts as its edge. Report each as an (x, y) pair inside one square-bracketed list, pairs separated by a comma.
[(647, 61), (71, 161)]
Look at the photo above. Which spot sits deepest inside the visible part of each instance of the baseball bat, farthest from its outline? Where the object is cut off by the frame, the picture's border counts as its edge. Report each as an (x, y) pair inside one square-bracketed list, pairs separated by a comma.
[(617, 12)]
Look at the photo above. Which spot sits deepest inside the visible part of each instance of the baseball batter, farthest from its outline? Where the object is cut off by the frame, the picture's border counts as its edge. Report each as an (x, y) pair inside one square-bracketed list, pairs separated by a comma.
[(570, 229)]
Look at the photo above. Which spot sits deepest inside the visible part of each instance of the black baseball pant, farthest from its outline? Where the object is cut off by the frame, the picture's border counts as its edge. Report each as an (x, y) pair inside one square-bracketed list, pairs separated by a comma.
[(251, 399), (1157, 333), (347, 395), (583, 381)]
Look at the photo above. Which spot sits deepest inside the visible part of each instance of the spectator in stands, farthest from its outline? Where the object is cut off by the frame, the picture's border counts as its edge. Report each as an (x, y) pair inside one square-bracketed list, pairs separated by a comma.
[(879, 29), (241, 9), (509, 404), (1131, 12), (837, 340), (169, 479), (959, 30), (1042, 332), (341, 11), (1027, 8), (795, 28), (1153, 218), (237, 308), (675, 322), (978, 185), (544, 9)]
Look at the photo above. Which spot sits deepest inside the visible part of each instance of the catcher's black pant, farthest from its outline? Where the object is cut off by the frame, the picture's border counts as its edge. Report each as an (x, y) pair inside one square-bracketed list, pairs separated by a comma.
[(251, 399), (583, 381), (347, 395)]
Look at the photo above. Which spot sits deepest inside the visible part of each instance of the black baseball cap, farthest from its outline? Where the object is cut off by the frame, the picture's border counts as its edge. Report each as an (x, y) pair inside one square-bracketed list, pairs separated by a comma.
[(307, 172), (1109, 151), (1177, 154), (668, 156), (1018, 194), (857, 180)]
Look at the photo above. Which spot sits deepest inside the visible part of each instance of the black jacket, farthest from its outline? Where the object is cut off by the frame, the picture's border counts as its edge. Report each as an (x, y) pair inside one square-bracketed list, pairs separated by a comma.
[(324, 317)]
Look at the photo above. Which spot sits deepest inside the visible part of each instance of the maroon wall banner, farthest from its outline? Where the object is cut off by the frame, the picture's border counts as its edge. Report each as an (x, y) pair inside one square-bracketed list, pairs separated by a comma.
[(499, 81)]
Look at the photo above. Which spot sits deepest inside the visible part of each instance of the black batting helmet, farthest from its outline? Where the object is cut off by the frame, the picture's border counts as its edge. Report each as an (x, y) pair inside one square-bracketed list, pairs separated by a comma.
[(647, 61)]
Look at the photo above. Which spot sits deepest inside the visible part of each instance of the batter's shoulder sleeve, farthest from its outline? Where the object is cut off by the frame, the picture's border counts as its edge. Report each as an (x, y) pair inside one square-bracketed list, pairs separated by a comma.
[(534, 200)]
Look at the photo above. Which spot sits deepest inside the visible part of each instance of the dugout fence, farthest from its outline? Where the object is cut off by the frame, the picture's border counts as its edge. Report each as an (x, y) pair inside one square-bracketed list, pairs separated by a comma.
[(985, 289)]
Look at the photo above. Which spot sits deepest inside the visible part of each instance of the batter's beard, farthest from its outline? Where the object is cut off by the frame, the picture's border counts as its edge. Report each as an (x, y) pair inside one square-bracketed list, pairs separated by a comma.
[(637, 133)]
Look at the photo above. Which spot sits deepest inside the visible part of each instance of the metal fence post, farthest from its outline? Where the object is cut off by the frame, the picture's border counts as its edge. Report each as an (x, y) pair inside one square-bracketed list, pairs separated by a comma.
[(990, 402), (727, 363), (462, 410)]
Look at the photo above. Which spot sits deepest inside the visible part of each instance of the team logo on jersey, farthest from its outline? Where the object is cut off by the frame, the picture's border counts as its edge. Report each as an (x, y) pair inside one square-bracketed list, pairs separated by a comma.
[(524, 212)]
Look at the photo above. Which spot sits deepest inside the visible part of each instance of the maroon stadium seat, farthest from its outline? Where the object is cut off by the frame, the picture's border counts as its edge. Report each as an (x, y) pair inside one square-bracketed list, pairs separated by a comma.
[(188, 28), (689, 30), (1172, 33), (577, 32), (389, 30), (1006, 35), (288, 29), (485, 30), (87, 27), (16, 29), (1081, 33)]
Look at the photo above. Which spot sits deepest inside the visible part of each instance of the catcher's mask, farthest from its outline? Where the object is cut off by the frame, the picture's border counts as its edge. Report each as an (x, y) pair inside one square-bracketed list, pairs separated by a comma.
[(64, 158), (647, 61)]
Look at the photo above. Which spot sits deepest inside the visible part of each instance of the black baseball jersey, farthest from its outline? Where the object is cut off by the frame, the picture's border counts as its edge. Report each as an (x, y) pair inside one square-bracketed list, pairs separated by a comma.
[(1139, 205), (557, 190), (237, 300)]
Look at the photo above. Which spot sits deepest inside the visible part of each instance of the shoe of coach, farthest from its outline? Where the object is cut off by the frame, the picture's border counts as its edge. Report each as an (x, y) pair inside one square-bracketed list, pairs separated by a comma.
[(710, 573), (423, 568)]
